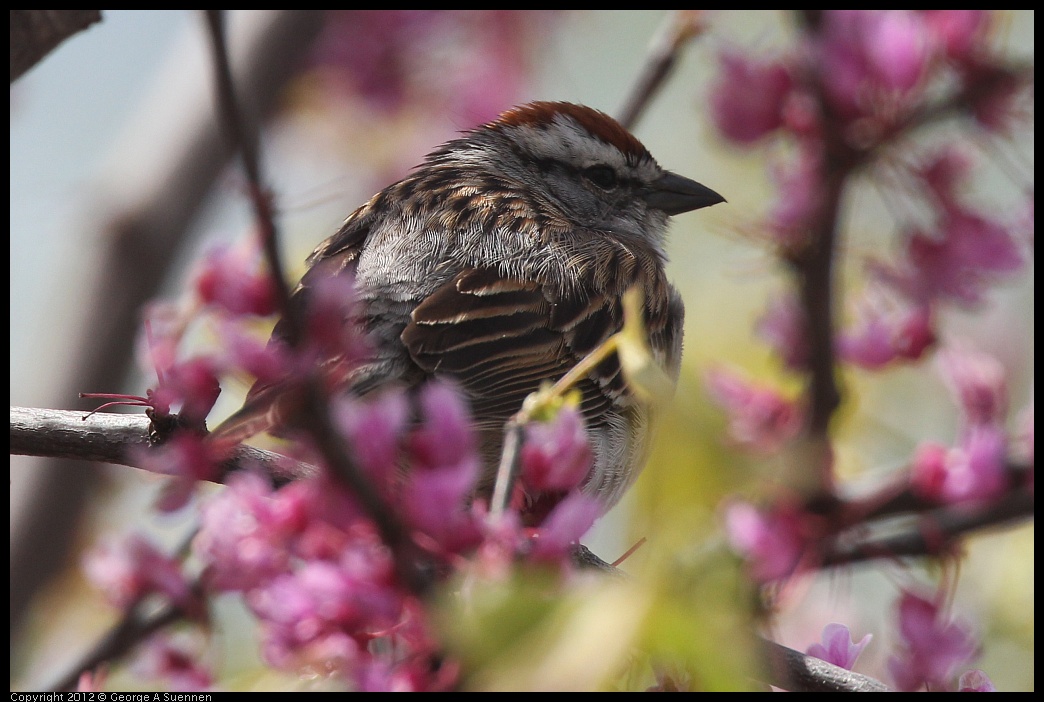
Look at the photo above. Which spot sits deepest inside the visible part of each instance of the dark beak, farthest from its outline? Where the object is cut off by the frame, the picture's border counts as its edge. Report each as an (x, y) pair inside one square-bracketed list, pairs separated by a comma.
[(675, 194)]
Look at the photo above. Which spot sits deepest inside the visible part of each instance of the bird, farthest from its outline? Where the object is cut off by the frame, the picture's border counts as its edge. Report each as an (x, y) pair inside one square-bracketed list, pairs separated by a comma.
[(498, 264)]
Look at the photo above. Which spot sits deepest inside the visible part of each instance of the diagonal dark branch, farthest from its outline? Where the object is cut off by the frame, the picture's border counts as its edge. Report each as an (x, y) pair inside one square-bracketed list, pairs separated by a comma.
[(35, 33), (680, 27), (313, 416)]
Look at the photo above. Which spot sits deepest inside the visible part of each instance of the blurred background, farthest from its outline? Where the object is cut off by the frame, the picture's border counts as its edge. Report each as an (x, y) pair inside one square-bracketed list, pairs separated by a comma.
[(118, 183)]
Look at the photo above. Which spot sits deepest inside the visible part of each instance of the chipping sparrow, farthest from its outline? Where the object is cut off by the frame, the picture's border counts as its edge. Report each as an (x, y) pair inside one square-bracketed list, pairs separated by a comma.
[(500, 263)]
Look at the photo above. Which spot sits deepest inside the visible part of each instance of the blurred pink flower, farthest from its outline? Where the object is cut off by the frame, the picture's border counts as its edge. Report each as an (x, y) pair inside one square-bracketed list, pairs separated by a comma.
[(760, 418), (931, 648), (959, 32), (470, 64), (974, 470), (945, 172), (782, 326), (128, 569), (772, 543), (175, 660), (978, 383), (565, 524), (975, 681), (191, 387), (238, 538), (836, 646), (747, 100), (188, 458), (445, 437), (864, 55), (556, 454), (437, 503), (799, 185), (957, 261), (234, 279), (887, 329), (375, 428)]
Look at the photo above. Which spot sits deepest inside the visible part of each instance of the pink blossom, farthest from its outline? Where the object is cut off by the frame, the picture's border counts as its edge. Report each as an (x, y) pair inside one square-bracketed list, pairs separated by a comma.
[(772, 543), (188, 458), (783, 327), (319, 614), (239, 537), (747, 100), (959, 32), (445, 438), (234, 279), (888, 329), (896, 47), (837, 647), (864, 54), (192, 386), (330, 316), (322, 518), (799, 192), (175, 660), (437, 503), (131, 568), (975, 681), (375, 427), (475, 61), (565, 524), (978, 383), (760, 418), (957, 261), (931, 648), (945, 173), (556, 454), (267, 361), (974, 470), (993, 90)]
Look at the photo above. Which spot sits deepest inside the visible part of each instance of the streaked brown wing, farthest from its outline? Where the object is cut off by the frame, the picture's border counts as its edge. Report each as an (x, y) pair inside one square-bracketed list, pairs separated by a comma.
[(501, 337)]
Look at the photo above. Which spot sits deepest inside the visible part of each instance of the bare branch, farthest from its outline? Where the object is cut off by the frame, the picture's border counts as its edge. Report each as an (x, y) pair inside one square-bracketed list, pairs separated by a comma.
[(120, 439), (35, 33), (678, 29)]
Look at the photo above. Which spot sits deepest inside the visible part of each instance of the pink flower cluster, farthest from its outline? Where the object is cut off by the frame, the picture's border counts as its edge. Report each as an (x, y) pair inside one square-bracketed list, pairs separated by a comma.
[(468, 63), (932, 647), (854, 87), (309, 560), (312, 566), (975, 469)]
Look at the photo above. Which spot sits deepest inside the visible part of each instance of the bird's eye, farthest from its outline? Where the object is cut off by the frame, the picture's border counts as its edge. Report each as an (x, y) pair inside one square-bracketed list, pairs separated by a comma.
[(602, 176)]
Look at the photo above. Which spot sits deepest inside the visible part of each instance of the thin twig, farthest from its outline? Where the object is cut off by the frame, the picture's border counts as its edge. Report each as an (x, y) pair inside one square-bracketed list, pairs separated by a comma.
[(678, 28), (314, 417), (935, 531), (245, 138), (507, 470)]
